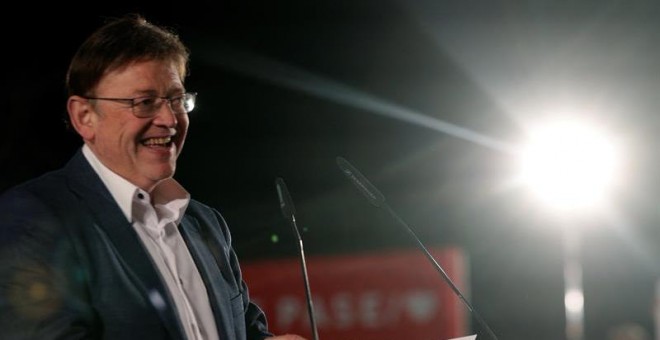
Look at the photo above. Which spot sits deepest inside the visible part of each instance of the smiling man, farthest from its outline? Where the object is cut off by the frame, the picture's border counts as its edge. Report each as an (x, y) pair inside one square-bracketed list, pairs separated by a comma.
[(111, 246)]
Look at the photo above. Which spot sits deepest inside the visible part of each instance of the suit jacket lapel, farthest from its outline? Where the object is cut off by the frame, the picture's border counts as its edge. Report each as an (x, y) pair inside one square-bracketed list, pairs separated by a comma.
[(217, 289), (129, 249)]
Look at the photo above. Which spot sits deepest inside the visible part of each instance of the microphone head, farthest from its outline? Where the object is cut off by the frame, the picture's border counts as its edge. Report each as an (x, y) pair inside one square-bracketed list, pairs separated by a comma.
[(286, 204), (372, 194)]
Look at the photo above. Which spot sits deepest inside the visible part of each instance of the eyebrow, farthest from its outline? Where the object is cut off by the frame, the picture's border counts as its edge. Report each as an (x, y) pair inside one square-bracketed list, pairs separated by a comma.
[(154, 93)]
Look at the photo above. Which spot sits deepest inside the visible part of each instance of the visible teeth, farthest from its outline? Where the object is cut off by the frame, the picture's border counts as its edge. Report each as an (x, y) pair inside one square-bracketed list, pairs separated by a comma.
[(157, 141)]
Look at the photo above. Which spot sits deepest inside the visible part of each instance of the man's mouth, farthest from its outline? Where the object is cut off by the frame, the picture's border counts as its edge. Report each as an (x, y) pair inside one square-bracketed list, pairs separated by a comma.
[(158, 141)]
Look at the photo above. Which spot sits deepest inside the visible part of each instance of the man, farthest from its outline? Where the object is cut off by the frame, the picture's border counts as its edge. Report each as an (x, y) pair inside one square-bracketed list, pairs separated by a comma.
[(111, 246)]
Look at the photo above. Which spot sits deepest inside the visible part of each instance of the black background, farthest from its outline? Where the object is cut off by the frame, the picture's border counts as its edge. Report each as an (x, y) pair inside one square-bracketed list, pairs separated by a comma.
[(287, 86)]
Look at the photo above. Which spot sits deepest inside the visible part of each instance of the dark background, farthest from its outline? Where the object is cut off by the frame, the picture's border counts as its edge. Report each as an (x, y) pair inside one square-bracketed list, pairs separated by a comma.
[(287, 86)]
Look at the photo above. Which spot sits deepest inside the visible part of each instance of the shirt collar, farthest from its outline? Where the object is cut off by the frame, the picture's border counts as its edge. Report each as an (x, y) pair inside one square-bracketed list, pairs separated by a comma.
[(168, 196)]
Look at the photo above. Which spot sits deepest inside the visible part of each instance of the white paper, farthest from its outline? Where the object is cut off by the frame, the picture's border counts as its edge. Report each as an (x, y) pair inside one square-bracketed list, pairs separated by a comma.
[(469, 337)]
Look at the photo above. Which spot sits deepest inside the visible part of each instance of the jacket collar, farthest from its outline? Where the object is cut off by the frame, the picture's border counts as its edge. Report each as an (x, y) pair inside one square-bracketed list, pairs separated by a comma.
[(85, 183)]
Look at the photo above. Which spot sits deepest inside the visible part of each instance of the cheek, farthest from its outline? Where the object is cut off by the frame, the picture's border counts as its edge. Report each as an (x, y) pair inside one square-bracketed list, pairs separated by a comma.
[(127, 135), (113, 131), (183, 129), (184, 122)]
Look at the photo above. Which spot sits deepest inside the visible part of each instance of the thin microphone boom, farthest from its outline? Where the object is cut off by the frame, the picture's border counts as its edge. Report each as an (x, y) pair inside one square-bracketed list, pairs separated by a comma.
[(289, 212), (376, 198)]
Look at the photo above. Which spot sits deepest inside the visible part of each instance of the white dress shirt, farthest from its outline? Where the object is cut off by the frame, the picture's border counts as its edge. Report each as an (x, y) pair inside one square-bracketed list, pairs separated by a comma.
[(155, 217)]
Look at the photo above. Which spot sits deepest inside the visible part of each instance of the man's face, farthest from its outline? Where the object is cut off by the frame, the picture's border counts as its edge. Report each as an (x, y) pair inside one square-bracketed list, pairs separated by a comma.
[(141, 150)]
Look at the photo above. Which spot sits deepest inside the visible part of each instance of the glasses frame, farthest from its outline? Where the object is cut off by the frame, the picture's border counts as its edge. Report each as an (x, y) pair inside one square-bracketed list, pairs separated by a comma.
[(187, 96)]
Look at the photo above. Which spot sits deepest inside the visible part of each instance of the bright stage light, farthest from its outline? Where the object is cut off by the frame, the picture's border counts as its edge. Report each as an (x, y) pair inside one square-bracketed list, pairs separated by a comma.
[(574, 301), (569, 165)]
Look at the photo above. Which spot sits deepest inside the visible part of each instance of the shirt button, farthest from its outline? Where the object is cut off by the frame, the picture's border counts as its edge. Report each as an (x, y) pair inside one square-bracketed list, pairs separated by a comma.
[(181, 282), (140, 196)]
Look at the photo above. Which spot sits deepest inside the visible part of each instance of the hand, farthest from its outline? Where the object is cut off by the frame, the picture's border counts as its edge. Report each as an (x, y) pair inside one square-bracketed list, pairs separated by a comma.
[(286, 337)]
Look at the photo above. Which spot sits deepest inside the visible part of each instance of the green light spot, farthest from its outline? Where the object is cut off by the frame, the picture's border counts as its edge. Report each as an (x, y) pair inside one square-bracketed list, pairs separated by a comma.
[(274, 238)]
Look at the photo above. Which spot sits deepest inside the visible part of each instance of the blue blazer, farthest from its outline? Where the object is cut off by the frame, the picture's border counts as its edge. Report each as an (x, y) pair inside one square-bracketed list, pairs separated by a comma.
[(72, 266)]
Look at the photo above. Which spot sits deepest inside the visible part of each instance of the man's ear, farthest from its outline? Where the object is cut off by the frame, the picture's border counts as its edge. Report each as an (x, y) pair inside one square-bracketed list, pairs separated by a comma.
[(82, 117)]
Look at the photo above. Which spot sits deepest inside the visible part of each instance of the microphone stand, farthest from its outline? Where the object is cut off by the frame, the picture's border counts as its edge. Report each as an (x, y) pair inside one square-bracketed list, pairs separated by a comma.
[(376, 198), (288, 210)]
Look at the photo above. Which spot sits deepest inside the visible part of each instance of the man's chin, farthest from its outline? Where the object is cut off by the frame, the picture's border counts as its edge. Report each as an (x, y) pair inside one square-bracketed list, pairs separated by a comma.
[(155, 176)]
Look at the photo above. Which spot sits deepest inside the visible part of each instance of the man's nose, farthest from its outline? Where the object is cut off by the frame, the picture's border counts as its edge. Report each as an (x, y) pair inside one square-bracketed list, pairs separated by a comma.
[(165, 115)]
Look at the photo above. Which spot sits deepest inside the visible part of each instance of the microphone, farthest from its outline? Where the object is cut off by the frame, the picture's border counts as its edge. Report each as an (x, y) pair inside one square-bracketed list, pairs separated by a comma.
[(367, 189), (376, 198), (289, 213)]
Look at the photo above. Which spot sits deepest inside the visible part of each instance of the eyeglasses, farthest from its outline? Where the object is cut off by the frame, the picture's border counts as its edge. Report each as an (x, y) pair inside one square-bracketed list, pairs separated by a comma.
[(148, 106)]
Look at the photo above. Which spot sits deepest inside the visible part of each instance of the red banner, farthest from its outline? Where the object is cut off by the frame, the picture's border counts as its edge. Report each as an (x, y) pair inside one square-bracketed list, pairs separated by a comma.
[(392, 295)]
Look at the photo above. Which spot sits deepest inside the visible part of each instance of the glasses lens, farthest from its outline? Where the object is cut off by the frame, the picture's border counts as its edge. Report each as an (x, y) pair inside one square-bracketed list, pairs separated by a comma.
[(146, 106), (149, 106), (189, 101)]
